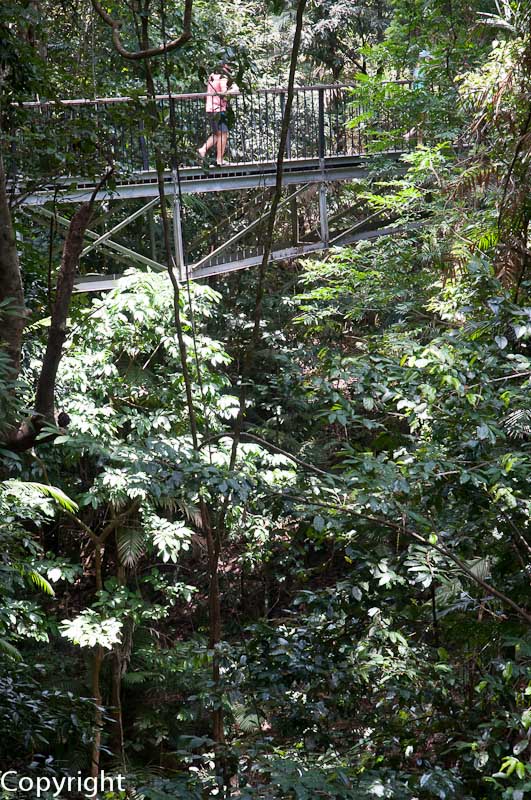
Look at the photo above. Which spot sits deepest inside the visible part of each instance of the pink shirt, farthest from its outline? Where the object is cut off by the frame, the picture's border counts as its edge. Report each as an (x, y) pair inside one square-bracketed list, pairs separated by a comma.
[(217, 84)]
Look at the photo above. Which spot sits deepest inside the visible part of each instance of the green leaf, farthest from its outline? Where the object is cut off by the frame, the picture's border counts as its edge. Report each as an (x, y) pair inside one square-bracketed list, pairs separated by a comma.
[(526, 718), (131, 545), (10, 650), (40, 582), (47, 491)]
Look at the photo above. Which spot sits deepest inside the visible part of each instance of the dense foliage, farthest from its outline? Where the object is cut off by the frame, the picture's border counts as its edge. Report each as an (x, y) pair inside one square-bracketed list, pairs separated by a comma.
[(279, 545)]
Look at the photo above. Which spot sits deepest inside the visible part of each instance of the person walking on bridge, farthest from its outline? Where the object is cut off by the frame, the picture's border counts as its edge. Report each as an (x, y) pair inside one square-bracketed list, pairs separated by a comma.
[(218, 86)]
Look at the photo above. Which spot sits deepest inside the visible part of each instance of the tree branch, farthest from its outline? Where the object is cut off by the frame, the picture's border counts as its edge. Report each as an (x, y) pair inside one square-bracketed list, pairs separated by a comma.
[(268, 238), (270, 446), (99, 539), (139, 55), (117, 521), (12, 318), (403, 529)]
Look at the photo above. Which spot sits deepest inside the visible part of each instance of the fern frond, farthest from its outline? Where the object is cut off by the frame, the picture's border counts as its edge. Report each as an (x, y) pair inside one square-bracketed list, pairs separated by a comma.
[(134, 678), (475, 178), (247, 721), (518, 423), (40, 582), (47, 491), (191, 513), (131, 545)]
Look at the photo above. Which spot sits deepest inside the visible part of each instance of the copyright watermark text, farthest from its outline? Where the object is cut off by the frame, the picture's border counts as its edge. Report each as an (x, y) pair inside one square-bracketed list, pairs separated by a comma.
[(11, 781)]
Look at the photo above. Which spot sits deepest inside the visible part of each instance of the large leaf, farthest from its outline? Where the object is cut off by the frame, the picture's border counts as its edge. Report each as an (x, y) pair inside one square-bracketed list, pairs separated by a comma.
[(10, 650), (40, 582), (47, 491), (131, 546)]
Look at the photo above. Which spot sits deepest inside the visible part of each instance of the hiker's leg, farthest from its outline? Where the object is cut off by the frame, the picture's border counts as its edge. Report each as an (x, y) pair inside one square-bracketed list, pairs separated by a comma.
[(221, 146)]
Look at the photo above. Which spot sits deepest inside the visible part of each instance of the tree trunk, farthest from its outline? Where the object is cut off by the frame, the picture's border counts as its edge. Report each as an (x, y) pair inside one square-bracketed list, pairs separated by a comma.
[(117, 668), (215, 629), (23, 437), (45, 400), (11, 289), (97, 661), (117, 740)]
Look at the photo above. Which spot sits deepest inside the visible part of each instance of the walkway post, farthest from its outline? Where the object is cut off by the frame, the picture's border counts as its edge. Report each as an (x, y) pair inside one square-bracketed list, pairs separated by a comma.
[(293, 201), (177, 232), (323, 211), (323, 214)]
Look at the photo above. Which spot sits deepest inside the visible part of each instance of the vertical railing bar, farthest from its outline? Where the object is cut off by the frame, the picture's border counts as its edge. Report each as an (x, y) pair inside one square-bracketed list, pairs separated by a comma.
[(298, 125), (336, 103), (282, 112), (360, 135), (259, 129), (321, 124), (269, 156), (256, 129), (274, 127), (266, 131), (131, 146), (316, 120), (304, 151), (250, 127), (329, 117), (142, 145), (271, 126)]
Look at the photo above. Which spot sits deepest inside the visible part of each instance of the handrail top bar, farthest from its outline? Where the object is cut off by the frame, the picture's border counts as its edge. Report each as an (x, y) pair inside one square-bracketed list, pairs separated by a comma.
[(190, 96)]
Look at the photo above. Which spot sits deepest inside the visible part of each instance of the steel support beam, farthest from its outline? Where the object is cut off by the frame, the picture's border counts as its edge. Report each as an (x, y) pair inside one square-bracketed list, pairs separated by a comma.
[(119, 226), (289, 253), (105, 283), (204, 261), (119, 248)]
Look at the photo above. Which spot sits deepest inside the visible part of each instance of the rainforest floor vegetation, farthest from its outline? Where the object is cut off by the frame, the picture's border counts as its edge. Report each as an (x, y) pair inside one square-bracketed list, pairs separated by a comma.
[(267, 535)]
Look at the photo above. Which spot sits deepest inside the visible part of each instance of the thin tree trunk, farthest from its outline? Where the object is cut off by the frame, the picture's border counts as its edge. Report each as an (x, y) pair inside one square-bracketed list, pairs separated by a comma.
[(23, 437), (213, 538), (116, 702), (11, 288), (45, 399), (268, 238), (97, 662), (117, 667), (212, 541)]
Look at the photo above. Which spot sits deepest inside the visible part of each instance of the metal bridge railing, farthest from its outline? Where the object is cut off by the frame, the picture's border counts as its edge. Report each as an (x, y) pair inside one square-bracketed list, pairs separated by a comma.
[(130, 131)]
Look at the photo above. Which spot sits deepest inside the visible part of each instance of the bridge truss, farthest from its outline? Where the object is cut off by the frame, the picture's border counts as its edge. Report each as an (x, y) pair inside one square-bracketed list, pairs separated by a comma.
[(322, 150)]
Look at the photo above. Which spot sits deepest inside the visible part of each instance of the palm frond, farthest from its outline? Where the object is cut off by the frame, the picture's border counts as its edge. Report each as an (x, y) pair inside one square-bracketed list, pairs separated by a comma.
[(40, 582), (10, 650), (47, 491), (191, 513), (131, 546), (518, 423)]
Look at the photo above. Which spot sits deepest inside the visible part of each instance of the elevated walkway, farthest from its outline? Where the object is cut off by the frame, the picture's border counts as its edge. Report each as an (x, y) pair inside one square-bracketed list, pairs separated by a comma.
[(198, 180), (323, 148)]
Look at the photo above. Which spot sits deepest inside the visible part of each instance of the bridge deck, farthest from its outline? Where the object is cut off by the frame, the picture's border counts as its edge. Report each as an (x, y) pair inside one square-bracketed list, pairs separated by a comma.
[(133, 133), (323, 146), (196, 180)]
